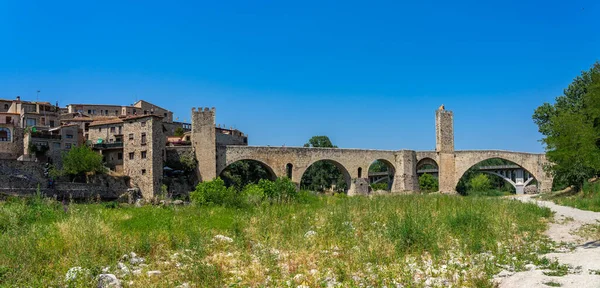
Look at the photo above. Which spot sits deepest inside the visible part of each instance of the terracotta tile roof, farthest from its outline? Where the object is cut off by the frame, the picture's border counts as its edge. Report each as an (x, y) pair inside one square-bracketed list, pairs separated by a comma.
[(106, 122), (141, 116)]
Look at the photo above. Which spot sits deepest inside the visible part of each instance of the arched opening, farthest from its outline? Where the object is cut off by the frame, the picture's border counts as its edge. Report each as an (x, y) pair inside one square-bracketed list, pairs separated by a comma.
[(428, 172), (288, 170), (496, 177), (326, 176), (381, 175), (244, 172), (5, 134), (359, 172)]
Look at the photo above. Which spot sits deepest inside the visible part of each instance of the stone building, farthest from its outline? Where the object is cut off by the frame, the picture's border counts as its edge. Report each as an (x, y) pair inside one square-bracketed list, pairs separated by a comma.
[(143, 153)]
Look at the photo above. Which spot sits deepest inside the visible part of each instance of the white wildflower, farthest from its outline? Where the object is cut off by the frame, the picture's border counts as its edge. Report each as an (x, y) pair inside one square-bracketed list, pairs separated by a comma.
[(310, 234)]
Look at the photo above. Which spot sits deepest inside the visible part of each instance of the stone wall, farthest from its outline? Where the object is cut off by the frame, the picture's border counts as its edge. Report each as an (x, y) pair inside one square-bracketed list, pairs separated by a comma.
[(23, 178)]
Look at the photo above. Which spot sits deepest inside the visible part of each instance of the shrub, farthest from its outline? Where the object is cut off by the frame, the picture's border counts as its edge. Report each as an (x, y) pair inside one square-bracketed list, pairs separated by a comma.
[(286, 189), (209, 192), (479, 183), (253, 194), (380, 186), (428, 183)]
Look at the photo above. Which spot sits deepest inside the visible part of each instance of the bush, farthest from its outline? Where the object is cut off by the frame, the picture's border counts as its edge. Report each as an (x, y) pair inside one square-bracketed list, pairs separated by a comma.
[(479, 183), (380, 186), (286, 189), (428, 183), (253, 194), (209, 192)]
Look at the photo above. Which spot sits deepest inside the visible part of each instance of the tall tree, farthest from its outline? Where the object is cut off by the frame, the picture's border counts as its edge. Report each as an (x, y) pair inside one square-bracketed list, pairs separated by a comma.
[(322, 175), (571, 129)]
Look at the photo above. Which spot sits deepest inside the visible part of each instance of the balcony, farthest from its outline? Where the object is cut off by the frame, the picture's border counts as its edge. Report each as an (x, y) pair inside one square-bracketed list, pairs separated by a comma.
[(104, 146), (44, 136)]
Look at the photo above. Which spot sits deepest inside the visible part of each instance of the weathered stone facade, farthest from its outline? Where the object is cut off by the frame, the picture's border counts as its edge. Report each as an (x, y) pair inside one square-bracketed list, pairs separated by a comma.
[(143, 150), (204, 142)]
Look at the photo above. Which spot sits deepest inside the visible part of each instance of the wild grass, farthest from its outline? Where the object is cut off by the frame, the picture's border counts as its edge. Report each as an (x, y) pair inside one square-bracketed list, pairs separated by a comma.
[(587, 199), (415, 240)]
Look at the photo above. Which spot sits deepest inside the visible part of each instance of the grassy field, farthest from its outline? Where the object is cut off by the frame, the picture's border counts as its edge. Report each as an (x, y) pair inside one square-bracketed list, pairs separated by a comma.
[(587, 199), (415, 240)]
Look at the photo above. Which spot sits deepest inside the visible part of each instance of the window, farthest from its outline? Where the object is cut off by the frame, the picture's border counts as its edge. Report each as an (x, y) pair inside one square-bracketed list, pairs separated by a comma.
[(130, 136), (69, 136), (112, 129), (68, 146), (57, 145), (116, 112), (143, 123), (8, 119), (143, 171), (43, 121), (106, 112), (30, 122), (4, 134), (94, 112), (143, 139), (143, 154), (289, 169), (120, 130), (6, 106), (51, 123), (119, 156), (131, 155), (359, 172), (145, 112), (165, 115), (100, 129), (89, 111), (110, 140)]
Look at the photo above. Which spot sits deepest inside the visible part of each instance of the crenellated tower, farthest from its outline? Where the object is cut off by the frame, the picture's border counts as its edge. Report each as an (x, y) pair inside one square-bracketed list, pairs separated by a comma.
[(444, 146), (203, 140)]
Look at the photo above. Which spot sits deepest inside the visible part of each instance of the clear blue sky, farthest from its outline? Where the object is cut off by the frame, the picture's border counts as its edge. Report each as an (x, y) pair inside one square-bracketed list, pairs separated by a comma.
[(367, 74)]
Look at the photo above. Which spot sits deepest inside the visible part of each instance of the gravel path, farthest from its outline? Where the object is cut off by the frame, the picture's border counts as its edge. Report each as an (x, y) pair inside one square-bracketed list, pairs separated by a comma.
[(584, 260)]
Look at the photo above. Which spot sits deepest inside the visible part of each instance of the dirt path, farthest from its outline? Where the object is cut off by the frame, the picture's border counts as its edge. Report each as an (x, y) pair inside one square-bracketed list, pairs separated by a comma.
[(584, 260)]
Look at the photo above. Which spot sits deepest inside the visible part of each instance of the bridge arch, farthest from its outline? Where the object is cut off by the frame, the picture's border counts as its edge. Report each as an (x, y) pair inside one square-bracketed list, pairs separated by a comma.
[(237, 169), (427, 165), (510, 171), (344, 171), (381, 171)]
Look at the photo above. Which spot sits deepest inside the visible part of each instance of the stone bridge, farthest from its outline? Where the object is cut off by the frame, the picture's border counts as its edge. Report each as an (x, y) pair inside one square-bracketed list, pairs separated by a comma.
[(354, 163)]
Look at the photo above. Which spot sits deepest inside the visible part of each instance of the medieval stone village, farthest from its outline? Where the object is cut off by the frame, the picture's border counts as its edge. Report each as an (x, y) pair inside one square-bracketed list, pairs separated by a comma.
[(138, 141)]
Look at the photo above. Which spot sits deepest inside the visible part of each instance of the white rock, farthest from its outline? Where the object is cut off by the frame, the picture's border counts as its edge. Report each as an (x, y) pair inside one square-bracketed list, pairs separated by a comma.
[(184, 285), (74, 273), (530, 267), (298, 277), (310, 234), (154, 273), (108, 280), (222, 238), (504, 274), (137, 272)]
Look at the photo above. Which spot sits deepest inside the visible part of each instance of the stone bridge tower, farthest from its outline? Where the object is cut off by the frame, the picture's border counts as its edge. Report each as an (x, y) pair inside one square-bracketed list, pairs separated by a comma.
[(444, 147), (204, 142)]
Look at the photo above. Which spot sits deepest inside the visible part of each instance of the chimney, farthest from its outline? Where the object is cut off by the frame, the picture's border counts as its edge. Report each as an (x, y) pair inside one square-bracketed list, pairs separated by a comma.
[(18, 98)]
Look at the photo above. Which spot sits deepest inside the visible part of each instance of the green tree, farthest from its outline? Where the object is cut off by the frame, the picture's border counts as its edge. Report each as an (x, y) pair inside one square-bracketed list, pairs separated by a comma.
[(571, 129), (428, 183), (378, 166), (322, 175), (244, 172), (80, 161), (179, 131), (480, 183)]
